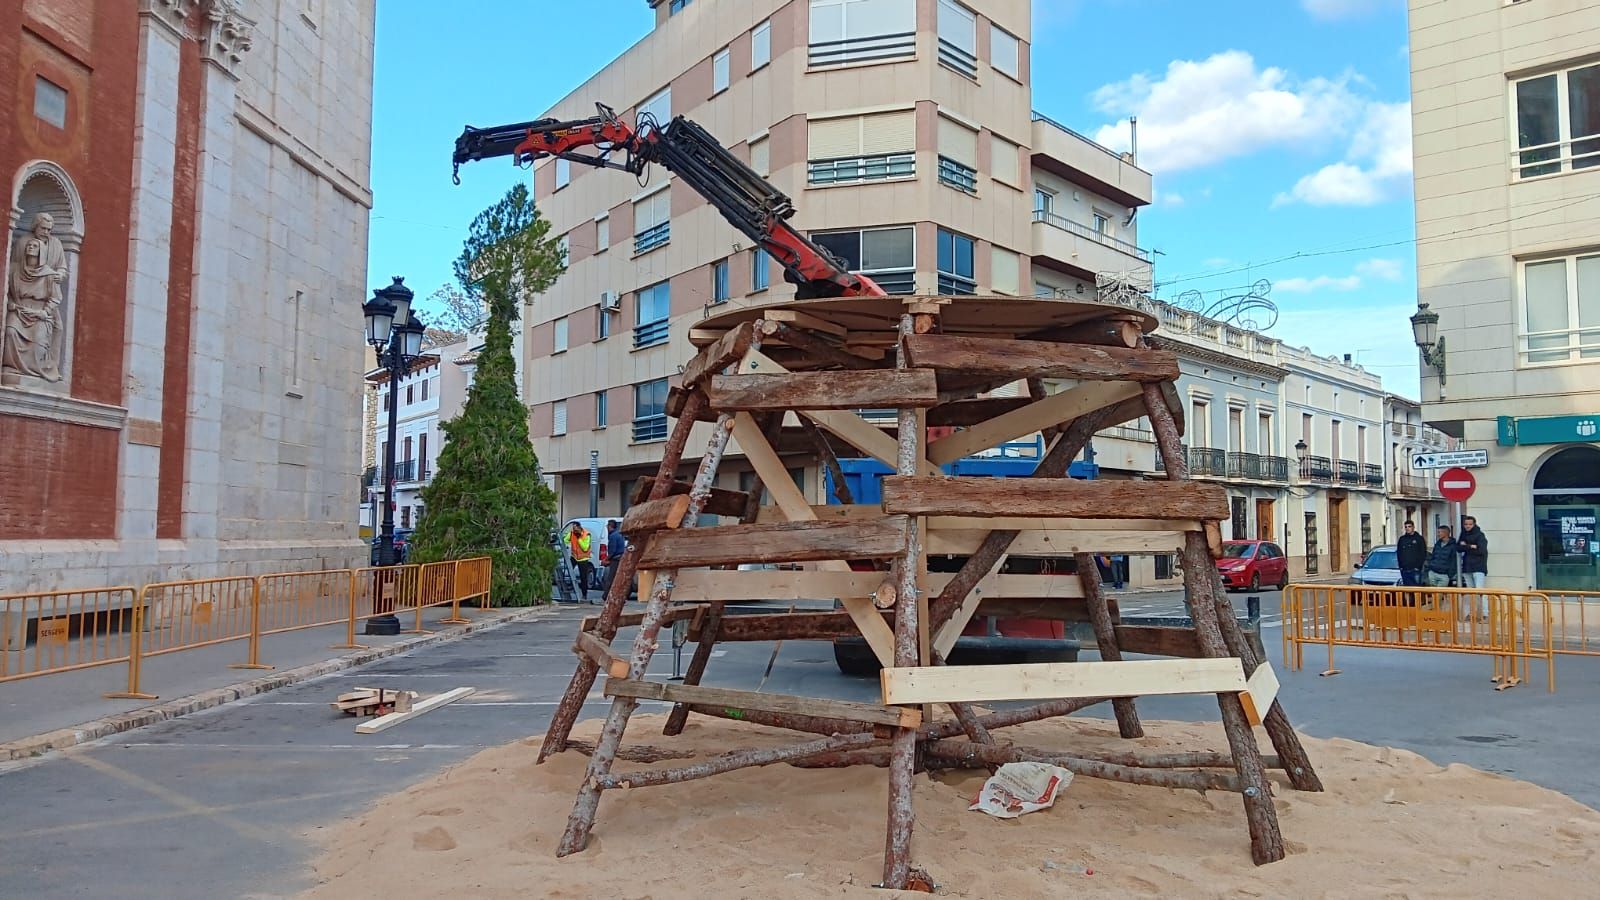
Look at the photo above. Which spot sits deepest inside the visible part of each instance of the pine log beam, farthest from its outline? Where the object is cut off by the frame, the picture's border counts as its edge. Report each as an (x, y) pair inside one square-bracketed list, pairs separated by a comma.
[(1111, 331), (732, 761), (830, 460), (595, 624), (724, 353), (1036, 416), (646, 753), (721, 502), (819, 349), (1041, 681), (757, 392), (655, 515), (600, 652), (849, 710), (807, 724), (786, 542), (799, 626), (909, 639), (975, 756), (1015, 359), (1017, 716), (1059, 497), (1105, 636)]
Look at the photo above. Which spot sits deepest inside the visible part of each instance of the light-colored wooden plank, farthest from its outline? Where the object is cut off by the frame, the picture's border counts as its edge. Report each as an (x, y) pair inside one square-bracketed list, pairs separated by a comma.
[(726, 585), (1057, 542), (395, 718), (878, 634), (867, 511), (1061, 681), (850, 710), (945, 640), (591, 646), (786, 542), (1261, 692), (1052, 410), (804, 320), (864, 389), (774, 477), (1051, 497)]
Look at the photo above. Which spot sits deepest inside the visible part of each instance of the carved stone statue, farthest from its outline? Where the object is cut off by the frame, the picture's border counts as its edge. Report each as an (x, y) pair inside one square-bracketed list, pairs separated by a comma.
[(31, 341)]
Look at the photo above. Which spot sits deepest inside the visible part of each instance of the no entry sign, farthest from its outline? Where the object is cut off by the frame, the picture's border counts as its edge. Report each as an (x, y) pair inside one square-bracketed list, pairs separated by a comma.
[(1456, 485)]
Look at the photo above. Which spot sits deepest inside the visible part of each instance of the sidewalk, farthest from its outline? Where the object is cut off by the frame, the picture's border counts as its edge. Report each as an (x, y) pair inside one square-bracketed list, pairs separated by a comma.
[(51, 712)]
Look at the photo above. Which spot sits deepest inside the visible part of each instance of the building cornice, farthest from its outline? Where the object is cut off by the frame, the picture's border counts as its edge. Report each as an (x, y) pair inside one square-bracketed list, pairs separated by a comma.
[(228, 35), (1217, 357), (56, 408)]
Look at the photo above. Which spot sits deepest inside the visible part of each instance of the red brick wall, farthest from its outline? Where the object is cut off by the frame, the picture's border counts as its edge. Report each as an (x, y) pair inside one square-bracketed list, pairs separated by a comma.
[(54, 487)]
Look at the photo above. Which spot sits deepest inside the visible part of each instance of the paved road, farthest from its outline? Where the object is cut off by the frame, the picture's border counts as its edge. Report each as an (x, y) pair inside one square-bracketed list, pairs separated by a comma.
[(230, 802)]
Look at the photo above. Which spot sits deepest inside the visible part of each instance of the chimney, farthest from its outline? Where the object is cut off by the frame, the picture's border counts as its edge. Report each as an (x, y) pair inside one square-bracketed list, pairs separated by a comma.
[(1347, 359)]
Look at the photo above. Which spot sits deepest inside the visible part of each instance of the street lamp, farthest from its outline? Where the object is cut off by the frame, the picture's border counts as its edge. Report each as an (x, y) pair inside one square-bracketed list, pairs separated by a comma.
[(396, 334), (1425, 331)]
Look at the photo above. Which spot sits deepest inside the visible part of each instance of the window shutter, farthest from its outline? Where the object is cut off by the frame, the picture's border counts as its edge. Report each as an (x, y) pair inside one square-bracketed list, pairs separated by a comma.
[(652, 210), (560, 418), (761, 156), (834, 138), (958, 142), (1004, 271), (894, 132), (1003, 163)]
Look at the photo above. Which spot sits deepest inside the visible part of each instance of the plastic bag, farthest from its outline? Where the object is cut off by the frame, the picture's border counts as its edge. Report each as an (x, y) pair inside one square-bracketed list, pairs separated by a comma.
[(1018, 788)]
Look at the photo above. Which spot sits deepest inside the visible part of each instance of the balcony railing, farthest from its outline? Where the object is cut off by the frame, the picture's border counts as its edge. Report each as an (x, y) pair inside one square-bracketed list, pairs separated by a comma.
[(652, 237), (1129, 433), (650, 428), (958, 59), (406, 471), (950, 285), (863, 49), (1258, 467), (1161, 463), (1558, 156), (1349, 472), (1372, 474), (1205, 461), (958, 175), (846, 169), (1081, 230), (1316, 468), (1419, 487), (1038, 117), (648, 334)]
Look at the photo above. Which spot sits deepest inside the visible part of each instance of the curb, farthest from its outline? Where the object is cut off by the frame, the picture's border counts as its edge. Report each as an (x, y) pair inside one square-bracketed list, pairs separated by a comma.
[(63, 738)]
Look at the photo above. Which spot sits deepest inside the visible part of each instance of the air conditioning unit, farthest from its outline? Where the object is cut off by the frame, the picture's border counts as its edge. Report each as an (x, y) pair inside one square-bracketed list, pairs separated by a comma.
[(610, 301)]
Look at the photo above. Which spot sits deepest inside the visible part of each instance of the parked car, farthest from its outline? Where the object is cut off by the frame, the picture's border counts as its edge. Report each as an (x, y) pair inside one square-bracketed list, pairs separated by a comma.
[(1252, 564), (402, 545), (1381, 566)]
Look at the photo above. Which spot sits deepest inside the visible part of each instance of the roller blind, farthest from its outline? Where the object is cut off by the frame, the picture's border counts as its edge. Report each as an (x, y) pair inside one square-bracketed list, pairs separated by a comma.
[(958, 142), (1003, 156), (652, 210), (1004, 271), (761, 156), (891, 132)]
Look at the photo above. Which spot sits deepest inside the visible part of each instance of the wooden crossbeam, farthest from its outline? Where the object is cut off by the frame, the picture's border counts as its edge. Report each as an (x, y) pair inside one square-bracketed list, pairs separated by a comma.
[(1056, 543), (787, 542), (1061, 681), (1036, 416), (780, 703), (655, 515), (725, 352), (769, 585), (591, 646), (1054, 497), (722, 502), (822, 390), (860, 512), (1159, 640), (804, 320), (971, 356)]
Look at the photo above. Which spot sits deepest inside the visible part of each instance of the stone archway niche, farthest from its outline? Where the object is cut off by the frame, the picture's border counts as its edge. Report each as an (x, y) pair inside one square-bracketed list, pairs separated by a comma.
[(36, 336)]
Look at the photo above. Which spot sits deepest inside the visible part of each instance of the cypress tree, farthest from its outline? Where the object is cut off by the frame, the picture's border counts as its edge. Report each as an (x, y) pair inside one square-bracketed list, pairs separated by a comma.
[(487, 498)]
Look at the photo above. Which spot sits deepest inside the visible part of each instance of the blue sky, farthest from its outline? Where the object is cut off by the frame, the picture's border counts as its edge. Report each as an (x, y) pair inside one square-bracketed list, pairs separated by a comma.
[(1278, 132)]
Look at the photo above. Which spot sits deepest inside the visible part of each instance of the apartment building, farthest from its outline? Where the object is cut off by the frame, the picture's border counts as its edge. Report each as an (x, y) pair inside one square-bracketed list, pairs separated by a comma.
[(1506, 122), (1413, 493), (903, 130)]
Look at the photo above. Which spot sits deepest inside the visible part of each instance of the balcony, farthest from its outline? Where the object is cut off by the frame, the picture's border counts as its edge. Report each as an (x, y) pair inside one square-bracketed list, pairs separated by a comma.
[(1064, 152), (649, 334), (652, 237), (1316, 468), (958, 59), (1257, 467), (406, 472), (855, 169), (1349, 472), (1079, 247), (1204, 461), (647, 429), (1372, 474), (1417, 486), (1129, 433), (875, 48)]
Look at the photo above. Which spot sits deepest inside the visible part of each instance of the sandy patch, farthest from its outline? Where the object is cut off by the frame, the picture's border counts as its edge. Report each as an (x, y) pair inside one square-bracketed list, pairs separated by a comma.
[(1392, 824)]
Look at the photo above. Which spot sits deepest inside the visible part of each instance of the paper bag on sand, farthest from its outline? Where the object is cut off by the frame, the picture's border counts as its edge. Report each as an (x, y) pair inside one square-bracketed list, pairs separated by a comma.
[(1021, 787)]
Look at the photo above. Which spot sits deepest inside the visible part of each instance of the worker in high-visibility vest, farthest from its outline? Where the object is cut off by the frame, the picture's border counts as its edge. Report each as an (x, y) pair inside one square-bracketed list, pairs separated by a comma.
[(578, 544)]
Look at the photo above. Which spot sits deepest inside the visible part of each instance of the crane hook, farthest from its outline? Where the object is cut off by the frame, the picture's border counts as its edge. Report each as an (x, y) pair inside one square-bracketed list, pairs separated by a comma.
[(455, 174)]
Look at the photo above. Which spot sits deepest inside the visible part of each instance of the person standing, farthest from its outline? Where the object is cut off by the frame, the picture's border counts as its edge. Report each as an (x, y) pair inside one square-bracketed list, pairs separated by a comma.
[(581, 545), (616, 545), (1442, 560), (1412, 551), (1474, 560)]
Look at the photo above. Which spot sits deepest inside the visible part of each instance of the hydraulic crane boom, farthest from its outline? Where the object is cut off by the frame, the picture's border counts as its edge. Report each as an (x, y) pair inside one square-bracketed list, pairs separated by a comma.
[(747, 200)]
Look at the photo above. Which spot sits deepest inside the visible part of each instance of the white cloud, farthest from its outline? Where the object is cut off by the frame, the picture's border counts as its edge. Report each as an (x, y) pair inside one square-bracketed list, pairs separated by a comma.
[(1203, 112), (1344, 9), (1376, 167), (1170, 198), (1381, 269), (1319, 283)]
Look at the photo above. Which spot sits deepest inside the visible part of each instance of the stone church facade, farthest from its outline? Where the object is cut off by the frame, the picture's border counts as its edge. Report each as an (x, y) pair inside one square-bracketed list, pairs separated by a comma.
[(180, 338)]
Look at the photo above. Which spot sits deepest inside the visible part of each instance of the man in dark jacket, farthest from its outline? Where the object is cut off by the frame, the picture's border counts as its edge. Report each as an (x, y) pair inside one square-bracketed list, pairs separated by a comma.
[(1442, 561), (616, 545), (1412, 551), (1474, 560)]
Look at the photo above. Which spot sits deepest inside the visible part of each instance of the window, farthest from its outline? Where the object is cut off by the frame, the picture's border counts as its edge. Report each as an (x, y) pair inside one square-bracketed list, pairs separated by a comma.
[(1366, 533), (1004, 162), (1102, 223), (1558, 122), (655, 305), (958, 155), (650, 411), (1043, 202), (761, 156), (719, 71), (652, 226), (955, 264), (1005, 51), (422, 455), (600, 411), (1005, 275), (1199, 424), (887, 255), (1163, 566), (1311, 543), (761, 45), (50, 101), (958, 38), (846, 31), (425, 388), (1235, 430), (563, 173), (564, 247), (385, 401), (719, 281), (602, 233), (1333, 431), (1361, 444), (676, 6), (1264, 434), (411, 395), (559, 418), (560, 339), (659, 107), (405, 517), (862, 148), (602, 324), (1561, 310), (759, 261)]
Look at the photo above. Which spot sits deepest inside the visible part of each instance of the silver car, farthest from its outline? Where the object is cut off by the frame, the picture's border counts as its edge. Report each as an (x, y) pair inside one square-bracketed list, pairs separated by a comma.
[(1382, 566)]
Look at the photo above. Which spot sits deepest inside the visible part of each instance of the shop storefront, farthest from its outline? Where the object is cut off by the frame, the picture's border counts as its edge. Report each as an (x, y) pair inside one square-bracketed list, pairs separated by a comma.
[(1566, 502)]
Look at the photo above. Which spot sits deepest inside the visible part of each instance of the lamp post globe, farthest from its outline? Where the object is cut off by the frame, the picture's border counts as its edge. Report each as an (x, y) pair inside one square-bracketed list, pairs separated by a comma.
[(1425, 326), (379, 315)]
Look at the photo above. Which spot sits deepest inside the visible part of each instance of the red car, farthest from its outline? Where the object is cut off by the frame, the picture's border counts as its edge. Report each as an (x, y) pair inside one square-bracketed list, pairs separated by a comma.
[(1252, 564)]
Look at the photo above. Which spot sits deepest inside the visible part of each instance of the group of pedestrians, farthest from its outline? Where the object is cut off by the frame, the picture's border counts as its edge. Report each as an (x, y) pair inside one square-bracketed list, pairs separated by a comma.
[(1451, 562), (580, 545)]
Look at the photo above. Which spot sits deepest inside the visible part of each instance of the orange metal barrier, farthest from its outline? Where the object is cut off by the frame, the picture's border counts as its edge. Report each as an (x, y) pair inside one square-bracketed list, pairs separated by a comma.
[(59, 631), (1506, 625), (1575, 623)]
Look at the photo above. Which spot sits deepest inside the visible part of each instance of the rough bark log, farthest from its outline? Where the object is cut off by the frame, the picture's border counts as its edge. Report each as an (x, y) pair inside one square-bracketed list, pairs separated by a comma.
[(724, 353), (871, 713), (720, 503), (979, 755), (1054, 498), (1106, 638), (820, 349), (822, 390), (907, 640), (977, 356), (655, 515), (728, 762), (636, 753)]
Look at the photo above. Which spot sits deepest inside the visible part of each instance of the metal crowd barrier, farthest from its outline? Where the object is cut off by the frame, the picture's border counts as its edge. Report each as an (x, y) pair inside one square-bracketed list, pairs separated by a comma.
[(1575, 625), (1512, 627), (60, 631)]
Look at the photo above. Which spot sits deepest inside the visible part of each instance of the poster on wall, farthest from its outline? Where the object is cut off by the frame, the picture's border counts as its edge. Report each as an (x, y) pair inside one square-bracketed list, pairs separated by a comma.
[(1567, 536)]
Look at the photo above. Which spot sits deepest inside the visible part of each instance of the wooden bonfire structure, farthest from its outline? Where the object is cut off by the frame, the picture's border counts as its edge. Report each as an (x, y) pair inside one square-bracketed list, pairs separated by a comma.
[(933, 360)]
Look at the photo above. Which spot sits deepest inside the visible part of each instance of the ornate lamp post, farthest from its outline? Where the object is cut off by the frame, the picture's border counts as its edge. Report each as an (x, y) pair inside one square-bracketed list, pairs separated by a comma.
[(396, 334), (1425, 332)]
